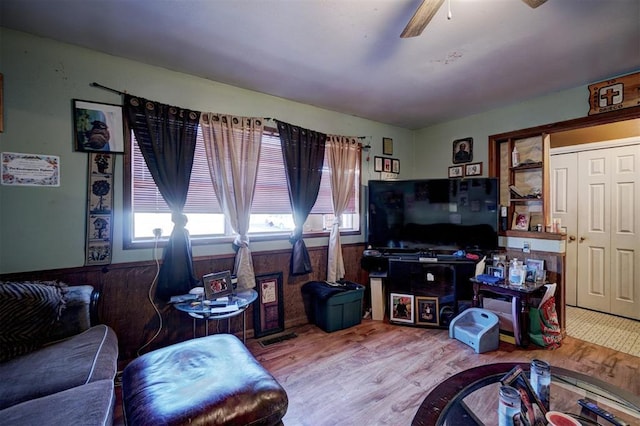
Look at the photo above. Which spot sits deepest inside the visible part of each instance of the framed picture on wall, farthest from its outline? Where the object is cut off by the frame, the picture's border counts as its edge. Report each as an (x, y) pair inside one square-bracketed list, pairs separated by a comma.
[(377, 164), (98, 127), (387, 146), (456, 172), (463, 151), (402, 307), (473, 169), (268, 313)]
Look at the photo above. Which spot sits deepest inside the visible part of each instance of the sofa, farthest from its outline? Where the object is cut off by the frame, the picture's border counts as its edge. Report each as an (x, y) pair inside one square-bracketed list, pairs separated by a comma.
[(57, 365)]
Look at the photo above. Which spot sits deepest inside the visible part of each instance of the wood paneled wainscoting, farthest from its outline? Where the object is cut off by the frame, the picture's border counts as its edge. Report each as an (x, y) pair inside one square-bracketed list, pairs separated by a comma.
[(125, 305)]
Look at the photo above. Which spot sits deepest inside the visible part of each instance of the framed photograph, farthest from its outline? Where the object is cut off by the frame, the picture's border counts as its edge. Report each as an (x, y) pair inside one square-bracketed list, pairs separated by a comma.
[(535, 270), (386, 165), (217, 284), (98, 127), (495, 271), (531, 405), (268, 314), (427, 312), (395, 166), (520, 221), (456, 172), (463, 151), (473, 169), (377, 164), (387, 146), (402, 307)]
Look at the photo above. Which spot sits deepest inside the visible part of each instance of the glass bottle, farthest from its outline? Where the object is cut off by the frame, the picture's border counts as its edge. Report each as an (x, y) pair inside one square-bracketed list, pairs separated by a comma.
[(540, 378), (509, 406)]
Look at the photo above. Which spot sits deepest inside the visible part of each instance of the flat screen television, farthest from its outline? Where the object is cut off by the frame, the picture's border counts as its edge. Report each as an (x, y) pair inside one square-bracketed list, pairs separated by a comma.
[(433, 214)]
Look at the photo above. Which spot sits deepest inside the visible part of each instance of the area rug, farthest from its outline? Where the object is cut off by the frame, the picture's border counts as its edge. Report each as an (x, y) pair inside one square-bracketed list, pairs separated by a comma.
[(610, 331)]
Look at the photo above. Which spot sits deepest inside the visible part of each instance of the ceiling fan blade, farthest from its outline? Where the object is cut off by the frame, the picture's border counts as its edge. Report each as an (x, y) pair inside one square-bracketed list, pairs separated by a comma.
[(421, 18), (534, 3)]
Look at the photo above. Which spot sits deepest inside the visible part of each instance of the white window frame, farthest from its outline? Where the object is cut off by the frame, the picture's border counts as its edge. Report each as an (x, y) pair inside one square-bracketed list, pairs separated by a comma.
[(317, 225)]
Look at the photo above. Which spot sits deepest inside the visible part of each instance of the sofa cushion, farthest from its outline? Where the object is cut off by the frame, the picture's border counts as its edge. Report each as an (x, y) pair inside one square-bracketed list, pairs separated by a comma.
[(28, 312), (90, 404), (81, 359)]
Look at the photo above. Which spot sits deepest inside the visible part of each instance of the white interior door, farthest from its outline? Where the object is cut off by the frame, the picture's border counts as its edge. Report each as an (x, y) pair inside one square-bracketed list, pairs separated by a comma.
[(625, 235), (608, 235), (594, 240), (563, 170)]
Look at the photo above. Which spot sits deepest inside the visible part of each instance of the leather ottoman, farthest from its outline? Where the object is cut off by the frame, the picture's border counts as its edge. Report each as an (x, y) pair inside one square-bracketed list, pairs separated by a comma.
[(212, 380)]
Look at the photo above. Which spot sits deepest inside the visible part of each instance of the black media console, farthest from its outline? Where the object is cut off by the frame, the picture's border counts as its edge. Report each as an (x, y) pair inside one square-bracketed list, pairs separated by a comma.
[(436, 285)]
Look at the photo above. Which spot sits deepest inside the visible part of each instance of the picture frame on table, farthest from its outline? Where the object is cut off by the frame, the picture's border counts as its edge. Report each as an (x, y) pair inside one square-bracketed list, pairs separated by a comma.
[(268, 314), (473, 169), (98, 127), (531, 405), (456, 172), (401, 307), (520, 221), (217, 285), (495, 271), (535, 270), (427, 311)]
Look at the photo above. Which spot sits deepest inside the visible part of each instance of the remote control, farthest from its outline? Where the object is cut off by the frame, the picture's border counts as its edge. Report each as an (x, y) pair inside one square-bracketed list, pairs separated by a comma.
[(602, 412)]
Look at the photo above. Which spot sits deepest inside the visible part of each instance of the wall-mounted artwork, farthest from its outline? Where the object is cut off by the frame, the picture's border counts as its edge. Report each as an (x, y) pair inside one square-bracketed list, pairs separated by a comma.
[(463, 150), (99, 209), (98, 127), (387, 146)]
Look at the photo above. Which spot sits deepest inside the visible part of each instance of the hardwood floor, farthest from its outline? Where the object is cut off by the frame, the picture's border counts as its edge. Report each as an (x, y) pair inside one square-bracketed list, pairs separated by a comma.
[(378, 374)]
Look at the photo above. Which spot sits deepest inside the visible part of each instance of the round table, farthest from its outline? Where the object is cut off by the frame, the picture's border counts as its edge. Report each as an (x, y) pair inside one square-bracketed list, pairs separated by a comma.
[(200, 310), (471, 397)]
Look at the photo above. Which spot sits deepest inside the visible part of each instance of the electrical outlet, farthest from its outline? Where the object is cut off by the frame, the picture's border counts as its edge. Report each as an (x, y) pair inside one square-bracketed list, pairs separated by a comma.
[(157, 232)]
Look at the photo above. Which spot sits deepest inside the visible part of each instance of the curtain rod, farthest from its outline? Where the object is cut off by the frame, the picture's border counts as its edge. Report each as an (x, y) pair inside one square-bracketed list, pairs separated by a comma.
[(275, 119), (100, 86)]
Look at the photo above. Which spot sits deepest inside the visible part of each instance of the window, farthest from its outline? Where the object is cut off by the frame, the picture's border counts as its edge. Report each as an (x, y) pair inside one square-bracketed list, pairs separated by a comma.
[(271, 211)]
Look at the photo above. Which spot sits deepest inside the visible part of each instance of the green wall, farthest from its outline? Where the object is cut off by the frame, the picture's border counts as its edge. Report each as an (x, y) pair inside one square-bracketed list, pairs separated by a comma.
[(44, 228), (548, 109)]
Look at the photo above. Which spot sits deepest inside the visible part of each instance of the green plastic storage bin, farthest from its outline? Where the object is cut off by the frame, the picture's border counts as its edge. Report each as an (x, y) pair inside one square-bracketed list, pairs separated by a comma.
[(340, 311)]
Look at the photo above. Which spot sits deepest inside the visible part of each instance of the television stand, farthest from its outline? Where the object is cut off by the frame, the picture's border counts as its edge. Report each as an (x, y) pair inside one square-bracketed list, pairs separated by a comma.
[(438, 284)]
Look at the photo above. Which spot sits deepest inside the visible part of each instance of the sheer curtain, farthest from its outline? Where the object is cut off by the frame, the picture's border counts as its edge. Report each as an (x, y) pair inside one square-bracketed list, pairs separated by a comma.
[(166, 136), (303, 154), (344, 154), (232, 145)]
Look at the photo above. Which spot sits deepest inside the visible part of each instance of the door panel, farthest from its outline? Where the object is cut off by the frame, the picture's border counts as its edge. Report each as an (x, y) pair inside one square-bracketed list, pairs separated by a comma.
[(594, 213), (564, 204), (625, 238)]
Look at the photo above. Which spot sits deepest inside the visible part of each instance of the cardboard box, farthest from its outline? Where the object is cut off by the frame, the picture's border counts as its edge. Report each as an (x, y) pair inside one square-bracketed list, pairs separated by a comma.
[(507, 312)]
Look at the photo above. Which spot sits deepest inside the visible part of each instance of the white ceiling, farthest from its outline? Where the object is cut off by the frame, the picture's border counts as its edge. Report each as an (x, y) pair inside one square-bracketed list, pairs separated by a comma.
[(347, 55)]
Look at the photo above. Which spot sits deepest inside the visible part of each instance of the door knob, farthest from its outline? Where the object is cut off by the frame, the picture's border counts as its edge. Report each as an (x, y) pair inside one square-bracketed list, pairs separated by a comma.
[(582, 239), (572, 238)]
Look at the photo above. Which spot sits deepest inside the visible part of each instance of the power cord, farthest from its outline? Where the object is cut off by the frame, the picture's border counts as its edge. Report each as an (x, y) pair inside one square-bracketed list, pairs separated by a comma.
[(157, 233)]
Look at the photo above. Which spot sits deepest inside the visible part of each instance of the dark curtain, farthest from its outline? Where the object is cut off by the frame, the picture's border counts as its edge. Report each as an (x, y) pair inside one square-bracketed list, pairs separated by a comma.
[(166, 136), (303, 154)]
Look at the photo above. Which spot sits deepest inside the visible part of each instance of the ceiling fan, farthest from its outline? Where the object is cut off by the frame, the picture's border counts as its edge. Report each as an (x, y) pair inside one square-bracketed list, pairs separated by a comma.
[(428, 9)]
